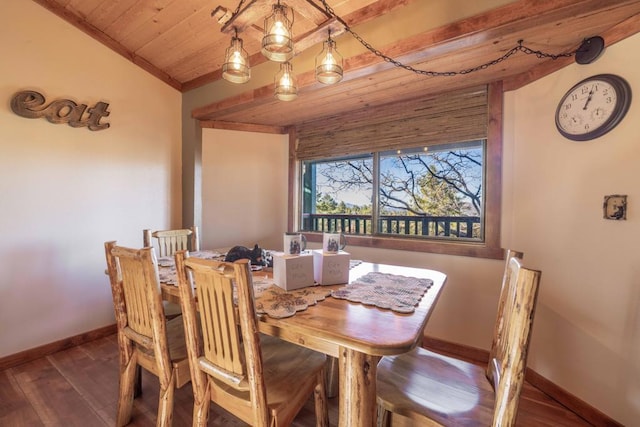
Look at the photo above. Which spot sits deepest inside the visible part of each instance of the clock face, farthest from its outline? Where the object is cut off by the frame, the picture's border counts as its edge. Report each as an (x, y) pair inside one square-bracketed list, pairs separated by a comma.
[(593, 107)]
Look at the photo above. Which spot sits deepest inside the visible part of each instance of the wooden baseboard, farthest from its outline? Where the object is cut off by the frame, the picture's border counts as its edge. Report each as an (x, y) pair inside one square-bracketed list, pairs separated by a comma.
[(563, 397), (566, 399), (470, 354), (44, 350)]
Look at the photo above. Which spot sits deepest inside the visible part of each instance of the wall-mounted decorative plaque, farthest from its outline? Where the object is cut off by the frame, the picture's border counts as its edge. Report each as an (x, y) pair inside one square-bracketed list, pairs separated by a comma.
[(31, 104), (615, 207)]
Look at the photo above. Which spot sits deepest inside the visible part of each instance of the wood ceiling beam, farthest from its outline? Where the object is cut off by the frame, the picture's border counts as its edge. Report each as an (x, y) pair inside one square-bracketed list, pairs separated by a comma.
[(615, 34), (253, 11), (246, 127), (257, 10), (318, 35), (467, 33), (313, 12)]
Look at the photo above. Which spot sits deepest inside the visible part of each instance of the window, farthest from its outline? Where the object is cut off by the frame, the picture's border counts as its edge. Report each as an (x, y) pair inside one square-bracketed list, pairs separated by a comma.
[(433, 192), (337, 195), (424, 175)]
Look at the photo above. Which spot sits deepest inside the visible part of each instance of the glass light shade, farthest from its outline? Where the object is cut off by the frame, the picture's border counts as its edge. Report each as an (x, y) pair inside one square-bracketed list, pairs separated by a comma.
[(277, 43), (329, 64), (236, 67), (286, 86)]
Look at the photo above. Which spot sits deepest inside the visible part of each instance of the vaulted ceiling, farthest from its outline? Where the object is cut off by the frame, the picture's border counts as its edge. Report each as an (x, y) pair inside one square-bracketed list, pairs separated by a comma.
[(182, 43)]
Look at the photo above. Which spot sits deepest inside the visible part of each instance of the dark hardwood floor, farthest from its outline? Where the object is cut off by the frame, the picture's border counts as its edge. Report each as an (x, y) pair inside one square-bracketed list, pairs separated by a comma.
[(79, 386)]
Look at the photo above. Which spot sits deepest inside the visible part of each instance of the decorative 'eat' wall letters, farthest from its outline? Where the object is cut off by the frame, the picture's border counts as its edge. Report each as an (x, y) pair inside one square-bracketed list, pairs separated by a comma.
[(26, 104)]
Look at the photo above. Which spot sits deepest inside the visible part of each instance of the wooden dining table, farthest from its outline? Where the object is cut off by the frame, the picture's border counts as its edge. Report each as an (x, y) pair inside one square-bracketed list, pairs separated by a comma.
[(357, 335)]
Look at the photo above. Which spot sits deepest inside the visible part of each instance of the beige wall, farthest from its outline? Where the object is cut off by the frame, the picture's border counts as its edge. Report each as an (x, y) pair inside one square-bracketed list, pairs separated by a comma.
[(587, 333), (244, 189), (65, 191)]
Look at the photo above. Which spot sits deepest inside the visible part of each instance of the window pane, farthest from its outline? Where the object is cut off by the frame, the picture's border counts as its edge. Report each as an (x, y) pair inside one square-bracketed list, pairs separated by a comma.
[(337, 194), (435, 192), (431, 193)]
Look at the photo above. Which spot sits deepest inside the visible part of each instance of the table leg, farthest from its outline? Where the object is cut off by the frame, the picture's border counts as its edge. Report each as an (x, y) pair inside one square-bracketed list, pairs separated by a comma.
[(333, 376), (357, 395)]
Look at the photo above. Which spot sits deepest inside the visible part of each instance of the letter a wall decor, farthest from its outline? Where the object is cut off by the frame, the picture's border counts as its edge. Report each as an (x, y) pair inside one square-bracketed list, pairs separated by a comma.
[(30, 104)]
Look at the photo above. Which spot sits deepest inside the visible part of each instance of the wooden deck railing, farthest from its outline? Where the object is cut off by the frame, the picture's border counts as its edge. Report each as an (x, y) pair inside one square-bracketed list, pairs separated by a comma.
[(407, 225)]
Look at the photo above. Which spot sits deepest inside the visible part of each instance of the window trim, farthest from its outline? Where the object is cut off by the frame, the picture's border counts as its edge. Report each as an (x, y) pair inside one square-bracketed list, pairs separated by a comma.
[(490, 248)]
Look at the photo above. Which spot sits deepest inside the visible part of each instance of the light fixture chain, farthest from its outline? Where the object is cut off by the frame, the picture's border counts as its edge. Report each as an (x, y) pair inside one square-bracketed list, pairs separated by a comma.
[(378, 53), (238, 8)]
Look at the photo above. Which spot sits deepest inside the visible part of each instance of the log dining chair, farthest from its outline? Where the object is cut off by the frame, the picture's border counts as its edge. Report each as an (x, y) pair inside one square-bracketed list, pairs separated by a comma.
[(168, 242), (432, 389), (145, 337), (260, 379), (171, 241)]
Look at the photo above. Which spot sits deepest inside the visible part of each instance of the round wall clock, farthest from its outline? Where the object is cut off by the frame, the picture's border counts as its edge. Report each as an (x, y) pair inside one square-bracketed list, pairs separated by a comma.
[(593, 107)]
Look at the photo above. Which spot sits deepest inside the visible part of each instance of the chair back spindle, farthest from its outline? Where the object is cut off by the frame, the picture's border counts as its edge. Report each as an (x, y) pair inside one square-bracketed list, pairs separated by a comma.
[(505, 304), (222, 341), (512, 354)]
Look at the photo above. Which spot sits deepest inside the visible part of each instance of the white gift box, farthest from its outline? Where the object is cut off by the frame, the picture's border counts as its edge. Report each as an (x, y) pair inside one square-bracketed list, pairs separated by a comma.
[(331, 269), (293, 271)]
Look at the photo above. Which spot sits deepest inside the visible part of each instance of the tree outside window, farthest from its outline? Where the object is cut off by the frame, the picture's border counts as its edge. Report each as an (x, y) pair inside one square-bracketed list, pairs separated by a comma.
[(434, 192)]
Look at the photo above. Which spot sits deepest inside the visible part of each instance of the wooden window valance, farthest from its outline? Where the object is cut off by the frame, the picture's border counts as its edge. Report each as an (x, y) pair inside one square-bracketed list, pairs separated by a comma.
[(447, 117)]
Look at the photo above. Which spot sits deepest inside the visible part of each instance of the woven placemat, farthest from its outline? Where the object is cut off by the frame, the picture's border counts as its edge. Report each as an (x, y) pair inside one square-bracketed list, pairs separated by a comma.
[(167, 265), (388, 291), (278, 303)]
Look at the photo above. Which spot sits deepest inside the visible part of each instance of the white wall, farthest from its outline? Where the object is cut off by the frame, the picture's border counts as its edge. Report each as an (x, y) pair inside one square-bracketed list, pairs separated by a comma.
[(244, 188), (65, 191), (587, 331)]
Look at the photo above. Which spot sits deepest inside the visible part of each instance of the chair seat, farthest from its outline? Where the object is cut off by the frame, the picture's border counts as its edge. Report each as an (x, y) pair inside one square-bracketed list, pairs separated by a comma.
[(427, 387), (287, 365), (438, 390), (177, 344), (171, 309), (290, 375), (177, 352)]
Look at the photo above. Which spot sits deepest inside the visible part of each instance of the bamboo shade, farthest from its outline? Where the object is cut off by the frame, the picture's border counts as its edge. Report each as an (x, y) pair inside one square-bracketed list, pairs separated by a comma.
[(448, 117)]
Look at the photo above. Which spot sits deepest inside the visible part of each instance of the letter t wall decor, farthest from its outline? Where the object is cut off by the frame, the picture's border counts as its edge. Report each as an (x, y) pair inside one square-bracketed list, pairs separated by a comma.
[(26, 103)]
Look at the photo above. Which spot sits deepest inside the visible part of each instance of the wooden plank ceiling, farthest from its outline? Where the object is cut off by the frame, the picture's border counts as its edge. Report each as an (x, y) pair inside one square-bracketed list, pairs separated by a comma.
[(181, 43)]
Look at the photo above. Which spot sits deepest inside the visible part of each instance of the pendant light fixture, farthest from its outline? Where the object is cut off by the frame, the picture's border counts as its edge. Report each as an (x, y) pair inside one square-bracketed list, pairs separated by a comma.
[(236, 67), (329, 67), (277, 46), (285, 82), (277, 43)]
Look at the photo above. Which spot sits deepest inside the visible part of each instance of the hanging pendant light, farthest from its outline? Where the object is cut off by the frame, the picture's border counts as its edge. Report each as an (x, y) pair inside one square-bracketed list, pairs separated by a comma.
[(286, 86), (329, 67), (236, 67), (277, 43)]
